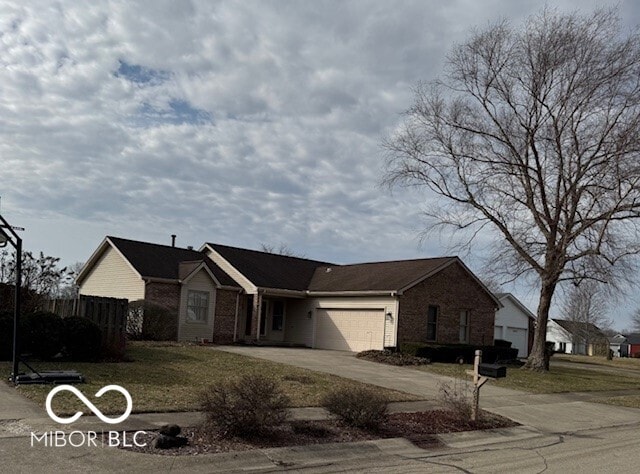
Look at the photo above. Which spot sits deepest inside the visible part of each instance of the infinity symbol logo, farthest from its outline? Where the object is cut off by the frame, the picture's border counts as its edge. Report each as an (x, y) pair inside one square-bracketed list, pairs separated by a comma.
[(92, 407)]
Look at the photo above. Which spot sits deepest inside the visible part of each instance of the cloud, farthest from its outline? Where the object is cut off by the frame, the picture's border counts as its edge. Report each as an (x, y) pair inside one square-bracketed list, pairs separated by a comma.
[(237, 122)]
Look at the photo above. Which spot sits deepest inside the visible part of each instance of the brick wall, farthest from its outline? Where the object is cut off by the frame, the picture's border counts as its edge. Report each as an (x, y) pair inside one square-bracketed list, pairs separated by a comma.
[(453, 290), (166, 295), (225, 316)]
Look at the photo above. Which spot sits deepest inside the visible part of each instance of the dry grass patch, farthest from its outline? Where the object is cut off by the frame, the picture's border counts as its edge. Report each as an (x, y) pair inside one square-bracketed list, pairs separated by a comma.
[(163, 377), (557, 380)]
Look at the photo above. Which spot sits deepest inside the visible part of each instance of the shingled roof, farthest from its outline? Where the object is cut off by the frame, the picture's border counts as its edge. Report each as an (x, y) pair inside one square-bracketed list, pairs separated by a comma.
[(376, 276), (268, 270), (162, 261), (580, 329)]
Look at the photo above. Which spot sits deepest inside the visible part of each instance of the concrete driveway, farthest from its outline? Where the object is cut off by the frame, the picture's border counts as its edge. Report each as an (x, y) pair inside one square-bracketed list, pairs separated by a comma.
[(345, 364), (554, 412)]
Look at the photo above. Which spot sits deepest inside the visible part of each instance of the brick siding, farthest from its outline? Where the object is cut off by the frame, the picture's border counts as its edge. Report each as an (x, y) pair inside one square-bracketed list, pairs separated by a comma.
[(452, 290), (225, 317)]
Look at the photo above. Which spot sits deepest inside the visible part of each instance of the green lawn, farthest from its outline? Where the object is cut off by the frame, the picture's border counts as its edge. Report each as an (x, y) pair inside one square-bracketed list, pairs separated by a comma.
[(169, 377), (618, 362), (558, 379)]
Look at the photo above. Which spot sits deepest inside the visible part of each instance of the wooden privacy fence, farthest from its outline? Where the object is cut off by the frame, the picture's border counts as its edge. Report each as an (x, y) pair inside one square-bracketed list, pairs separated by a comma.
[(110, 314)]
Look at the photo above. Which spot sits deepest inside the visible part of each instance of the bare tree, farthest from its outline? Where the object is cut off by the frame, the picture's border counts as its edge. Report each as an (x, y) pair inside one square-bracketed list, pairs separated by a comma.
[(635, 321), (586, 308), (534, 134), (281, 249), (40, 273)]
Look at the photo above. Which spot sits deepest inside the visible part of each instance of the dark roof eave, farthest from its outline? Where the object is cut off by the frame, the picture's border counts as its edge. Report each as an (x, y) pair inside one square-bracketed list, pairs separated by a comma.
[(354, 293)]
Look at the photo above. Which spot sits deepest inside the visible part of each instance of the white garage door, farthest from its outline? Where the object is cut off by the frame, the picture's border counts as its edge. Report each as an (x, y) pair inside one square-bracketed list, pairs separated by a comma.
[(349, 329), (519, 340)]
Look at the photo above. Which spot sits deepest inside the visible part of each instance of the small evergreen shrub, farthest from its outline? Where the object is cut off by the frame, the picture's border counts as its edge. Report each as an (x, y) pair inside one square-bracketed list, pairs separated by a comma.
[(251, 405), (41, 334), (357, 406), (6, 336), (453, 353), (82, 339), (148, 321)]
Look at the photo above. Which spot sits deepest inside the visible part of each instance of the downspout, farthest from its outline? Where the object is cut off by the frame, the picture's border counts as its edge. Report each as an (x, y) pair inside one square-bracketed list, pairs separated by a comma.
[(235, 325)]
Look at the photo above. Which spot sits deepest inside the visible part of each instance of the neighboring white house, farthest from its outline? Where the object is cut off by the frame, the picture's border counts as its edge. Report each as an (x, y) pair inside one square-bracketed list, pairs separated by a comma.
[(572, 337), (513, 323)]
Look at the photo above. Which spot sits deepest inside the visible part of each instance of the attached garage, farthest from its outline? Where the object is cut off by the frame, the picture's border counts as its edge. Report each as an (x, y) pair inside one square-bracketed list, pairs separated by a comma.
[(519, 340), (350, 329)]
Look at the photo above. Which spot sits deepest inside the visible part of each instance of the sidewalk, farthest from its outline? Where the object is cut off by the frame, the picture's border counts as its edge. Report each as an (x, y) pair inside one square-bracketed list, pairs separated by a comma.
[(545, 418)]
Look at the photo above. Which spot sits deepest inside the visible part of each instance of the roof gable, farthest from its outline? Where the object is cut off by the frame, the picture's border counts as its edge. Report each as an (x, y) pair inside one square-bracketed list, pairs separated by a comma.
[(159, 261), (268, 270), (517, 303)]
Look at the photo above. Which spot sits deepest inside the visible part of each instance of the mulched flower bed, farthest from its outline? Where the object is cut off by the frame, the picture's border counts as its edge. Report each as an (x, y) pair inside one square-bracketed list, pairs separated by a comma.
[(392, 358), (420, 428)]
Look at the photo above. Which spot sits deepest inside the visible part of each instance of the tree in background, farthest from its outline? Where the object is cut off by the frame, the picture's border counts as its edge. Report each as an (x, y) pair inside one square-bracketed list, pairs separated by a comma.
[(281, 249), (635, 321), (534, 133), (42, 278), (586, 307)]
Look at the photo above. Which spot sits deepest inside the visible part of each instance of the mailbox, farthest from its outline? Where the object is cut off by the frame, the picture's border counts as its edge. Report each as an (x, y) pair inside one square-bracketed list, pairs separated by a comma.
[(494, 371)]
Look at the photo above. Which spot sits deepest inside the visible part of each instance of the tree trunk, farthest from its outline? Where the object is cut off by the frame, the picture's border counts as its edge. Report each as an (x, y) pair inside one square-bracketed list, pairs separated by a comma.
[(539, 357)]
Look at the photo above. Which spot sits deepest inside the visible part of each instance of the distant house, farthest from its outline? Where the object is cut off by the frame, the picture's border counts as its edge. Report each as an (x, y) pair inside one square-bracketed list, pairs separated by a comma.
[(227, 294), (514, 323), (573, 337), (633, 344), (625, 346), (618, 345)]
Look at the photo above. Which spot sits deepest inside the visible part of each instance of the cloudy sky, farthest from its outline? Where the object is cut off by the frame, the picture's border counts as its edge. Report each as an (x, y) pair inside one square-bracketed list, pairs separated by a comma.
[(240, 123)]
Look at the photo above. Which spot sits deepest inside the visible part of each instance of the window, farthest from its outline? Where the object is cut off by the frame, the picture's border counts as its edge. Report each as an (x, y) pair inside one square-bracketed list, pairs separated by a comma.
[(464, 326), (197, 306), (432, 323), (277, 316)]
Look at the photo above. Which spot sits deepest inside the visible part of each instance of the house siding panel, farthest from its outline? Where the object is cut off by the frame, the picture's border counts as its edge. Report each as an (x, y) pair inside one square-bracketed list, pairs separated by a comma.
[(452, 290), (194, 330), (112, 276)]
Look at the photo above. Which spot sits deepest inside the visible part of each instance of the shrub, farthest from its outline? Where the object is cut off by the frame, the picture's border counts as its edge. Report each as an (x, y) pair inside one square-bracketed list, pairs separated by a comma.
[(82, 339), (41, 334), (457, 398), (357, 406), (250, 405), (392, 358), (451, 353), (502, 343), (151, 322), (6, 336)]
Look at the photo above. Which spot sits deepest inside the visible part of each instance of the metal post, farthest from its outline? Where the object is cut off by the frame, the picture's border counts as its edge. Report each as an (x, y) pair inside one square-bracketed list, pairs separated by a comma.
[(16, 313)]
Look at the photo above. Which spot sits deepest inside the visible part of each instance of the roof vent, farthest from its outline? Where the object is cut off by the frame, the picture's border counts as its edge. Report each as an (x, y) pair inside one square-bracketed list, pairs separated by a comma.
[(328, 269), (190, 247), (173, 240)]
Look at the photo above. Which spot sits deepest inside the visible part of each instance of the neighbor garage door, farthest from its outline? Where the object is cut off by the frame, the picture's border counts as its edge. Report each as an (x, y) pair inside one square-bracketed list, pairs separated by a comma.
[(349, 329), (519, 340)]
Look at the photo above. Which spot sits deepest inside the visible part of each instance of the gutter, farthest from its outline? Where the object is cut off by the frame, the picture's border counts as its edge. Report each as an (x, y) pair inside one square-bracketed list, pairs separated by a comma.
[(354, 293)]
